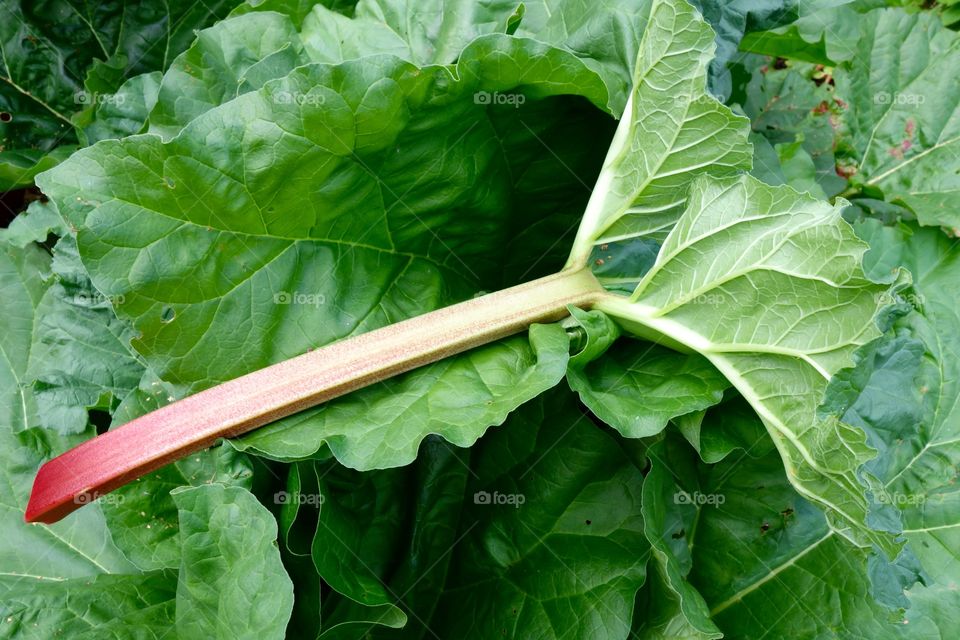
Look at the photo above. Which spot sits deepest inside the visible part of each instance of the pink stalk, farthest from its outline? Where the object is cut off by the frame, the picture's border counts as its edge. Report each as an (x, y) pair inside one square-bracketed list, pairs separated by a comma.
[(145, 444)]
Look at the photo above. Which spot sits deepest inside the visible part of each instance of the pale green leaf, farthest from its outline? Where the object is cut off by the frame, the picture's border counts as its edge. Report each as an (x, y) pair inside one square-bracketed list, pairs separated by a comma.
[(671, 132), (767, 284)]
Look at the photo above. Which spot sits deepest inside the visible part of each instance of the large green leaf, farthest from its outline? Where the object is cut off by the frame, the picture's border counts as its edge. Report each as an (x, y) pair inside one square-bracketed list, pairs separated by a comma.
[(232, 583), (244, 52), (637, 387), (735, 19), (106, 606), (794, 109), (60, 57), (767, 284), (737, 537), (826, 32), (910, 406), (671, 132), (903, 121), (535, 532), (373, 249), (80, 356)]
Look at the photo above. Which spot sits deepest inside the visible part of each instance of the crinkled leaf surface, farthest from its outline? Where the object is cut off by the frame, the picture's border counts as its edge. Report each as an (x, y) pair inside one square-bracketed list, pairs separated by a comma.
[(232, 583), (737, 536), (777, 317), (244, 52), (732, 20), (80, 355), (909, 405), (105, 606), (903, 120), (534, 532), (126, 111), (826, 32), (59, 58), (795, 110), (671, 132), (221, 206), (637, 387)]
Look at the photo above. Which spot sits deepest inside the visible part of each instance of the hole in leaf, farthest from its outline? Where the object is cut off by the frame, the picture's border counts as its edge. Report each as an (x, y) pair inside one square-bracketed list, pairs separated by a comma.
[(6, 116), (100, 419), (167, 315)]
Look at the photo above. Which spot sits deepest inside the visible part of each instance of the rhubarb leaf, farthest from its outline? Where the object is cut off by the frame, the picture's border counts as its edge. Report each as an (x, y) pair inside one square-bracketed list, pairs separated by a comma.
[(58, 59), (374, 249), (671, 132), (232, 583), (909, 404), (535, 529), (637, 387), (826, 32), (125, 112), (105, 606), (733, 20), (903, 121), (787, 311), (738, 537), (80, 356), (796, 110)]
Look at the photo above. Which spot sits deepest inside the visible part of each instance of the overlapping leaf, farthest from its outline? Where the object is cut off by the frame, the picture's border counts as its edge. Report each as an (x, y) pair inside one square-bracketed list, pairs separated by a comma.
[(60, 58), (777, 316), (671, 132), (903, 120)]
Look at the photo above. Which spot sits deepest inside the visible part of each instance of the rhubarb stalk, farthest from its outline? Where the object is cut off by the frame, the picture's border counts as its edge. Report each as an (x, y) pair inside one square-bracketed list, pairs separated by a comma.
[(145, 444)]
